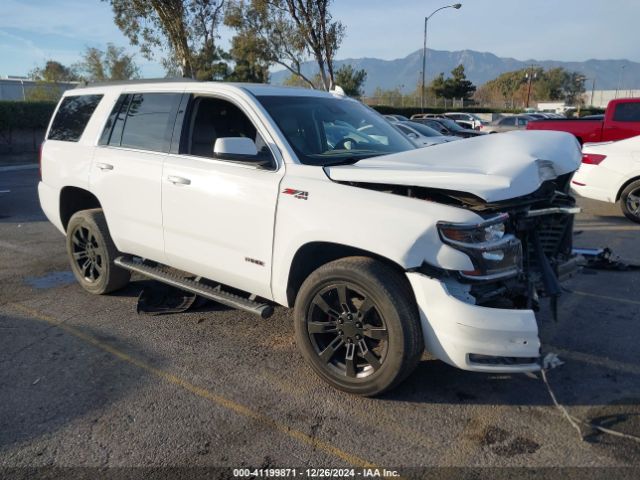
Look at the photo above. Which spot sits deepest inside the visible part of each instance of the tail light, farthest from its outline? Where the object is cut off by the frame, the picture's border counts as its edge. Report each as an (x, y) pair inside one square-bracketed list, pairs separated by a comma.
[(592, 158), (40, 159)]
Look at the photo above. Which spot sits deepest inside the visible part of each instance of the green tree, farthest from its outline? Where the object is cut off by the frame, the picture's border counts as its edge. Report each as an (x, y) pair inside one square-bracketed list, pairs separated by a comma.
[(456, 86), (185, 29), (48, 78), (437, 87), (249, 55), (291, 31), (511, 88), (113, 64), (351, 80), (250, 51), (54, 72)]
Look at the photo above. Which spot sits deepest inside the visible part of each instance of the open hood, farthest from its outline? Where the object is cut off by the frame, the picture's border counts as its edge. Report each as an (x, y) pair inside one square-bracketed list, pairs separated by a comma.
[(492, 167)]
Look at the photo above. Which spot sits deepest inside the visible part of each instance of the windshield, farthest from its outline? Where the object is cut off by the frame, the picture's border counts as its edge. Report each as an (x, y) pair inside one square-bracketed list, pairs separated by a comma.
[(329, 131), (423, 129), (450, 124)]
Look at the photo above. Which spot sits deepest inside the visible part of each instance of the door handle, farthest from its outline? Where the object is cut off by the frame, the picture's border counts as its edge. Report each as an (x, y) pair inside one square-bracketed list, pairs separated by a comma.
[(104, 166), (179, 180)]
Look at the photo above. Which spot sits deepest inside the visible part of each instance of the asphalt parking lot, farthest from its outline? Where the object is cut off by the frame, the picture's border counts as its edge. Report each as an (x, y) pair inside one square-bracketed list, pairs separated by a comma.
[(85, 381)]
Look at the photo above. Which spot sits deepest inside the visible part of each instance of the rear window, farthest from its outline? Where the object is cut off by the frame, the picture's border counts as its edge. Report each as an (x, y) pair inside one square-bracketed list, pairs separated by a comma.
[(627, 112), (72, 117), (143, 121)]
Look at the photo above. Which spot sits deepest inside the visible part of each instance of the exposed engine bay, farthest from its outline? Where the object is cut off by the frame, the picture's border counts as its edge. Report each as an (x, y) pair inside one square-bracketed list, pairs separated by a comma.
[(540, 252)]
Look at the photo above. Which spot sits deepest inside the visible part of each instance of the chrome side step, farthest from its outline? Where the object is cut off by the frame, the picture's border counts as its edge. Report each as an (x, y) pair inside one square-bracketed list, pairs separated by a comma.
[(216, 294)]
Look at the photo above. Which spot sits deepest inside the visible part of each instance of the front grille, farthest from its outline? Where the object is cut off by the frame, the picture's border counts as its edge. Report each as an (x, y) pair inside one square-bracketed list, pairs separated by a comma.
[(552, 232)]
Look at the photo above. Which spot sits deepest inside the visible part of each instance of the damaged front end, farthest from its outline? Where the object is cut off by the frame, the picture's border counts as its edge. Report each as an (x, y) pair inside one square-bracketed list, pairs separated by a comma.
[(534, 254), (521, 253)]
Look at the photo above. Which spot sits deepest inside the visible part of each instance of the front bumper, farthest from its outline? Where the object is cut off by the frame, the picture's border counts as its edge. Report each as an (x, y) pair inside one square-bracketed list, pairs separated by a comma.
[(466, 335)]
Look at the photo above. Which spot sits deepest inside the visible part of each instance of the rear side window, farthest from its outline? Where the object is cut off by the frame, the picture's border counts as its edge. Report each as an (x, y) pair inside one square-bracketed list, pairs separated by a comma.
[(627, 112), (143, 121), (72, 117)]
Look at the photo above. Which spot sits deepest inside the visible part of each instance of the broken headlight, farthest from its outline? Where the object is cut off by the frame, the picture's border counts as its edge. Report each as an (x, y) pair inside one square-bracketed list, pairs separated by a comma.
[(494, 252)]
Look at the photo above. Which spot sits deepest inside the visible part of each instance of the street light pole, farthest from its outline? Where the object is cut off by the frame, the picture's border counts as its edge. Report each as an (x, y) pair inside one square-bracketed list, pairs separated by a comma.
[(424, 50), (530, 77)]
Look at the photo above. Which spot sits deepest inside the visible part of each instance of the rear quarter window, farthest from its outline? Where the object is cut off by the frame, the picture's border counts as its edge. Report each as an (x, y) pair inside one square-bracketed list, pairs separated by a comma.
[(72, 117), (627, 112)]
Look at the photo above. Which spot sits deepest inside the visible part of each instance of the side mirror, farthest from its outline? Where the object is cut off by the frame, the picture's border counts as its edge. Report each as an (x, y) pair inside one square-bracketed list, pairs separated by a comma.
[(238, 149), (412, 135)]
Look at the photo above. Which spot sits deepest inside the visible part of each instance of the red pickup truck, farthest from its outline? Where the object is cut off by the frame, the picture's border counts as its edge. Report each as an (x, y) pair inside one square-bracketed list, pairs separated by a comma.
[(621, 120)]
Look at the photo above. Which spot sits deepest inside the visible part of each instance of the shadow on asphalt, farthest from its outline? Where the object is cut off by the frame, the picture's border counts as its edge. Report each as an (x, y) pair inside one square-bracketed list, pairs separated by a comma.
[(49, 378), (434, 382), (135, 287)]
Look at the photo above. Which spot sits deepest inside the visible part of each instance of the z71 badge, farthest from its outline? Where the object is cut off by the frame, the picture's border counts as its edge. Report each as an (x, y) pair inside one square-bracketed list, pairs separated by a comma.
[(299, 194)]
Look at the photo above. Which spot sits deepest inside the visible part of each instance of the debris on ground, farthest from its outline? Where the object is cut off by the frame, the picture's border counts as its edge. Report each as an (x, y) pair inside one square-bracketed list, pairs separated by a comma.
[(603, 259)]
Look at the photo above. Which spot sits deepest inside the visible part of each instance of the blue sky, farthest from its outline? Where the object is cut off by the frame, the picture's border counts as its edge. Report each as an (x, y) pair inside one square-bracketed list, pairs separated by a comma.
[(32, 31)]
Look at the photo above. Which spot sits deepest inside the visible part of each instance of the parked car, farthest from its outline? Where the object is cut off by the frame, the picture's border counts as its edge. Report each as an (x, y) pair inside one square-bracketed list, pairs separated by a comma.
[(381, 248), (422, 135), (396, 118), (507, 124), (417, 116), (621, 120), (610, 172), (465, 120), (448, 127)]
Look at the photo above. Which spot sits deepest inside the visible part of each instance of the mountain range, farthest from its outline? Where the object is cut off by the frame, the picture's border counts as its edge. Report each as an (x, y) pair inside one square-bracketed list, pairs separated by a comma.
[(480, 67)]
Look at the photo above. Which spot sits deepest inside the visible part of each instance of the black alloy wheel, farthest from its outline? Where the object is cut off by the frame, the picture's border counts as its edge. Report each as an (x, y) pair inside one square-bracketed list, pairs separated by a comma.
[(358, 326), (91, 253), (347, 331), (87, 253)]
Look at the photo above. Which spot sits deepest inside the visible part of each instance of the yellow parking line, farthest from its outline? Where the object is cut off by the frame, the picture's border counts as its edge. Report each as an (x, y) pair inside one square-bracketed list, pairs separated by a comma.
[(605, 297), (201, 392)]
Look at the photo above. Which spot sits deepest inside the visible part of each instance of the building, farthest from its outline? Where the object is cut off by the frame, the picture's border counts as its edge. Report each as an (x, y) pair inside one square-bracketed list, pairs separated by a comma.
[(17, 88), (600, 98)]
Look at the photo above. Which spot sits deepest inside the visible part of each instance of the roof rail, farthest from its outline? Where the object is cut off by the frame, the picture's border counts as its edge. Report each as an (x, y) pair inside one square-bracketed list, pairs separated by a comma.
[(134, 82)]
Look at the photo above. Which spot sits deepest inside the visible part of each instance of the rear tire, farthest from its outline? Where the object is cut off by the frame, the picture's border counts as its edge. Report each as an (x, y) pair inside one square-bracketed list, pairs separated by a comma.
[(91, 253), (630, 201), (358, 326)]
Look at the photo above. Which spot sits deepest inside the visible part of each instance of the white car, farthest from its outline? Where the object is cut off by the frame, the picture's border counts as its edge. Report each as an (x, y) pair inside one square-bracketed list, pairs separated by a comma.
[(382, 249), (610, 172), (466, 120)]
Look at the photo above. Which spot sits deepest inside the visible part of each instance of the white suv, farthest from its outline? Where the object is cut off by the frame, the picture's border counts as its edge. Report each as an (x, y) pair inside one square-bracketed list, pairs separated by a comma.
[(312, 200)]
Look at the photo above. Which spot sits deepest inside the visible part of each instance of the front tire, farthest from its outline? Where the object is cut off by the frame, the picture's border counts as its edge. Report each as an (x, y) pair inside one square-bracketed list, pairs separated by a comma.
[(91, 253), (630, 201), (358, 325)]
